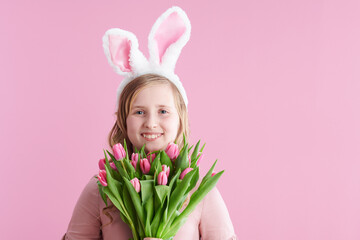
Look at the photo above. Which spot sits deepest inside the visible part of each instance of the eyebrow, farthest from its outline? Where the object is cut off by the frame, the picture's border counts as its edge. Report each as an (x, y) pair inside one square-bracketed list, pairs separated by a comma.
[(138, 106)]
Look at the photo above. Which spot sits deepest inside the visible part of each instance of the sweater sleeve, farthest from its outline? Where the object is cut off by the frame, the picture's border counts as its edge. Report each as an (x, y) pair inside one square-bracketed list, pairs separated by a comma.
[(215, 222), (85, 222)]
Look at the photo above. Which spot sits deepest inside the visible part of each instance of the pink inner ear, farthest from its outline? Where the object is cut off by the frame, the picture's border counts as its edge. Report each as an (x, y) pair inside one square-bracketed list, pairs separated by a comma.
[(120, 52), (169, 31)]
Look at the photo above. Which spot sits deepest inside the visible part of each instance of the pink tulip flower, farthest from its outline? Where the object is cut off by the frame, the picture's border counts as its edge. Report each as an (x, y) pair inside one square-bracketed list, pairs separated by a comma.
[(102, 164), (119, 151), (102, 177), (134, 163), (182, 175), (162, 178), (113, 166), (145, 165), (134, 159), (136, 183), (151, 157), (172, 150), (201, 156), (213, 173), (166, 169)]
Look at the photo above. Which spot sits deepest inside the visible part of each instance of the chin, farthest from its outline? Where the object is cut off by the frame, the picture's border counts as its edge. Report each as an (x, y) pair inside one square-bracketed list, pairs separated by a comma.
[(153, 148)]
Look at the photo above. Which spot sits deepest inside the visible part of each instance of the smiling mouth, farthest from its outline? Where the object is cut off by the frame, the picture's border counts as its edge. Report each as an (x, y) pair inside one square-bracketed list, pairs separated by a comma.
[(151, 137)]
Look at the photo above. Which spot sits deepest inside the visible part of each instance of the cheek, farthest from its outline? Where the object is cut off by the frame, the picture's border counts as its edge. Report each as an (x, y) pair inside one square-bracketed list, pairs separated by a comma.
[(174, 125), (131, 125)]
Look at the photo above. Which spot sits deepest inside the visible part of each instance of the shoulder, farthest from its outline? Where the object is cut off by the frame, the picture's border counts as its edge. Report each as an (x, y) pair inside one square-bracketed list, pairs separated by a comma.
[(215, 219), (89, 198), (85, 221), (91, 189), (92, 185), (213, 197)]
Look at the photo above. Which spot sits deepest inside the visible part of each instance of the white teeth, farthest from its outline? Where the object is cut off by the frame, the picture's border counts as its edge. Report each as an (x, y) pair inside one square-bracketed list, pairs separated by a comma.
[(151, 136)]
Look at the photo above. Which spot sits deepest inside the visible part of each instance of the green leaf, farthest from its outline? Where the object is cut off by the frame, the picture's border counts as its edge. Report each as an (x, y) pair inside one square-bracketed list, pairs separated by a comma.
[(107, 163), (118, 205), (129, 206), (194, 180), (184, 139), (175, 199), (155, 165), (161, 192), (156, 220), (173, 180), (140, 230), (111, 155), (208, 174), (113, 192), (142, 152), (195, 199), (147, 190), (126, 149), (102, 194), (130, 169), (120, 166), (136, 201), (165, 160), (113, 184), (138, 169), (182, 160), (202, 149), (190, 148), (174, 229), (148, 177), (149, 211), (195, 152), (121, 170)]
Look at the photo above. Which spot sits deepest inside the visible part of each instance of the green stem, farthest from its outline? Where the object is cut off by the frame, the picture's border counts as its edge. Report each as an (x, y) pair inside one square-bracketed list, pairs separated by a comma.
[(134, 233)]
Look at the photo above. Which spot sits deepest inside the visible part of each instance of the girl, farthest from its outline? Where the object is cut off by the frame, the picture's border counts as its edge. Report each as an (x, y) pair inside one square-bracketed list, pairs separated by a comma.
[(152, 110)]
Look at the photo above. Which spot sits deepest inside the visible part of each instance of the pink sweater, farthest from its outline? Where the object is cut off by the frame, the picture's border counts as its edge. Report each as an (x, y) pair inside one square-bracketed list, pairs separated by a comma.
[(210, 220)]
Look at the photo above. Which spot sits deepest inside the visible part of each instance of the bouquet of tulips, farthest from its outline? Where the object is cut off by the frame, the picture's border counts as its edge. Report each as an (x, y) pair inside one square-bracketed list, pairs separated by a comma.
[(150, 190)]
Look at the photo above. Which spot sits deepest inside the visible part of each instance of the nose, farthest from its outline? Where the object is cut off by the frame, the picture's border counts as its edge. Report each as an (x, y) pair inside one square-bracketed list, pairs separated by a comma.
[(151, 121)]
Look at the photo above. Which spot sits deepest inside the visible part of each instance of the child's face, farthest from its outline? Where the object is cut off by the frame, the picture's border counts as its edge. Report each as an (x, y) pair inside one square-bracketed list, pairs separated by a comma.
[(153, 119)]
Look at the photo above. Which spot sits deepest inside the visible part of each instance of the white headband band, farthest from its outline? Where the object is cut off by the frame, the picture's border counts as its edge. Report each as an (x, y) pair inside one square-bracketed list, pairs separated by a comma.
[(167, 37)]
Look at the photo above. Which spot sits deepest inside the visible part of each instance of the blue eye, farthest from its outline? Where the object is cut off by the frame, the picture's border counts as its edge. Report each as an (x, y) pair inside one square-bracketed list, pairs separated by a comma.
[(163, 111), (137, 112)]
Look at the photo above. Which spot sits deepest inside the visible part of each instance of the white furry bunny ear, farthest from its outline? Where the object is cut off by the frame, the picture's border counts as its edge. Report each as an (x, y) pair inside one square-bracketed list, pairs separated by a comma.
[(122, 51), (168, 36)]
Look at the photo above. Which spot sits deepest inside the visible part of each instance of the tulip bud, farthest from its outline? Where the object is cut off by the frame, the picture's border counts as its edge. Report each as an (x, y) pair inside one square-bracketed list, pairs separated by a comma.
[(199, 159), (166, 169), (145, 165), (102, 177), (182, 175), (213, 173), (134, 163), (172, 150), (151, 157), (134, 159), (136, 184), (102, 164), (119, 151), (113, 166), (162, 178)]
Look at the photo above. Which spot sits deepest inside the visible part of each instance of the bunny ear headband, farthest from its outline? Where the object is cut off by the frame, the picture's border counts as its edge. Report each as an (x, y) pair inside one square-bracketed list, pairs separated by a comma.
[(167, 37)]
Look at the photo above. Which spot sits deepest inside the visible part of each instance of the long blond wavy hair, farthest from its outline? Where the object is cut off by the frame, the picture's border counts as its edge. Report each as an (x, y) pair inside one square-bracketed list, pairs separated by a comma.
[(119, 131)]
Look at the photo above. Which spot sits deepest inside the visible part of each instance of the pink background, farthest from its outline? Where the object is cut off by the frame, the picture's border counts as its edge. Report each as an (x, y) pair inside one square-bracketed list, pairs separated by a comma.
[(274, 91)]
